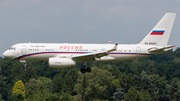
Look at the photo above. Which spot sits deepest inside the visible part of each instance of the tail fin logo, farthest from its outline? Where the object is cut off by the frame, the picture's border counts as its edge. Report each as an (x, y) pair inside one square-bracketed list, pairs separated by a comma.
[(157, 32)]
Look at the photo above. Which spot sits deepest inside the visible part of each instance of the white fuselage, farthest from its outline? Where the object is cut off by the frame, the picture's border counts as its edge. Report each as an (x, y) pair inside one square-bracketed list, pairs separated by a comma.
[(44, 51), (66, 55)]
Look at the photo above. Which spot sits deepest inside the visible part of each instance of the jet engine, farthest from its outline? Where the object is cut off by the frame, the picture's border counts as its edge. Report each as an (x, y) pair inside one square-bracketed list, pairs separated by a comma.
[(61, 62)]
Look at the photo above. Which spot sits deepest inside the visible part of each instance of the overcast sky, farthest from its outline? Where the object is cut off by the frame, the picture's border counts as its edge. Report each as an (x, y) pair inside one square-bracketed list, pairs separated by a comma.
[(83, 21)]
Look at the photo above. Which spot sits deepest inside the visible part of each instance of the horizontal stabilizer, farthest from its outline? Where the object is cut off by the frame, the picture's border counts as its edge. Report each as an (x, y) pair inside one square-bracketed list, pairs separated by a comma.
[(156, 50)]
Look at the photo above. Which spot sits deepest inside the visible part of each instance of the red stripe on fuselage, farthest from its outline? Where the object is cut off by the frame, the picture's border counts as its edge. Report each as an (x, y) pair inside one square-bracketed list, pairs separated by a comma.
[(156, 33)]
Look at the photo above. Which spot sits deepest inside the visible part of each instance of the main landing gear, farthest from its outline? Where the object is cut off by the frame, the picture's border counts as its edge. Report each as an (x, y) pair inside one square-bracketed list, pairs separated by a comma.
[(85, 68), (25, 65)]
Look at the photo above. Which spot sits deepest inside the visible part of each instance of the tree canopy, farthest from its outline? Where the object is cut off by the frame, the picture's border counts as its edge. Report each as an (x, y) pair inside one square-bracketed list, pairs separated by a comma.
[(154, 78)]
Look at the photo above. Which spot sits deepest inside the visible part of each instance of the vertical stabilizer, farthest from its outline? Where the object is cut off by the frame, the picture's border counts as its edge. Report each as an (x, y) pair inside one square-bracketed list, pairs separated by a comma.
[(159, 35)]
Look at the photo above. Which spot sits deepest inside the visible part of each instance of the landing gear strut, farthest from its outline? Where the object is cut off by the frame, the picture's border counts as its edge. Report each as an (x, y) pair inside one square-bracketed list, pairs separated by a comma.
[(85, 68), (25, 65)]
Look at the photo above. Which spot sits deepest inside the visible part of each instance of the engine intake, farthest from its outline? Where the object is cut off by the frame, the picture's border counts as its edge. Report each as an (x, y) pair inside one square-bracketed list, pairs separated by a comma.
[(61, 62)]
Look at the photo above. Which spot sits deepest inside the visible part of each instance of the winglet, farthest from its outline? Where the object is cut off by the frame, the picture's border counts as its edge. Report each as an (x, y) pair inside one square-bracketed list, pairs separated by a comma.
[(114, 48)]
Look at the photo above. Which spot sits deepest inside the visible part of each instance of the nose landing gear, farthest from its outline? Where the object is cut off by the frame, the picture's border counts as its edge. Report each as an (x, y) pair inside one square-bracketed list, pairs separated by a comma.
[(25, 65)]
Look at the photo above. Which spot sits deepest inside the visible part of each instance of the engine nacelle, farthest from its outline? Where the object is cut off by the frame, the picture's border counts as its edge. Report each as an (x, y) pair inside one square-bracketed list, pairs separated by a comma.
[(61, 62)]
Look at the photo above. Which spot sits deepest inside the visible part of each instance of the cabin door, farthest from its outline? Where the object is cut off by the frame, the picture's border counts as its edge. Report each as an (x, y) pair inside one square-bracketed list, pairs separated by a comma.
[(23, 49), (138, 50)]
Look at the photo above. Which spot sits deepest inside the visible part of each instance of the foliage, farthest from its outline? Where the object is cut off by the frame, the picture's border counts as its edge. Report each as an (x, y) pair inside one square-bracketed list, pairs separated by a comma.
[(115, 71), (152, 78), (125, 82), (175, 90), (146, 96), (43, 96), (147, 84), (19, 88), (133, 95), (47, 82), (66, 97), (83, 88), (35, 86), (159, 83), (19, 91), (99, 86), (1, 98), (78, 97), (119, 95), (65, 81)]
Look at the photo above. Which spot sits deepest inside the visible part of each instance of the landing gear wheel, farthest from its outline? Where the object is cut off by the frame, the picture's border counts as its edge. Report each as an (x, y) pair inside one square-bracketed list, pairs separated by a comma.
[(25, 69), (88, 69), (83, 70)]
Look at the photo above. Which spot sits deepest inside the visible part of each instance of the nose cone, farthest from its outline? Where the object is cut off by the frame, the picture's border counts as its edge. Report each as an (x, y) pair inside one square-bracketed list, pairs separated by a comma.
[(8, 54), (5, 54)]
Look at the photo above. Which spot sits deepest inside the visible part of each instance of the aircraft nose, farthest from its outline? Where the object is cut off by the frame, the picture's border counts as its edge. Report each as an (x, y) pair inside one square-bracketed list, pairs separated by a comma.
[(7, 54)]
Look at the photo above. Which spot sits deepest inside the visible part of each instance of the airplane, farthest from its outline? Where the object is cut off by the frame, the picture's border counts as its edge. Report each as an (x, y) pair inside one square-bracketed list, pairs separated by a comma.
[(64, 55)]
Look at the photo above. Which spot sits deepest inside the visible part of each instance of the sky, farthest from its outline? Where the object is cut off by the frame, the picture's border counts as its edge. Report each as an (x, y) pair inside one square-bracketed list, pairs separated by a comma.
[(83, 21)]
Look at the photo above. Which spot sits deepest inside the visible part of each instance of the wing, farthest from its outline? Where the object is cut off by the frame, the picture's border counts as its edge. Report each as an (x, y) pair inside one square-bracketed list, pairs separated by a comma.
[(94, 55)]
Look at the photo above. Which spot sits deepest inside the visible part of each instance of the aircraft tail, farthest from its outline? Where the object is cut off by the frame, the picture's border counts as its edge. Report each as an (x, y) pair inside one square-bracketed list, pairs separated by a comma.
[(159, 35)]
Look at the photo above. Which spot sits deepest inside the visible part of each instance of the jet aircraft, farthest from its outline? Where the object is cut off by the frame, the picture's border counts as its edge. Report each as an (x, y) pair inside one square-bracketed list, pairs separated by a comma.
[(64, 55)]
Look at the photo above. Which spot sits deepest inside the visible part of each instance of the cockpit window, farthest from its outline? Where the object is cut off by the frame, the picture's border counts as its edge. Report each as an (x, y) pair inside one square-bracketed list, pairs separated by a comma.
[(12, 48)]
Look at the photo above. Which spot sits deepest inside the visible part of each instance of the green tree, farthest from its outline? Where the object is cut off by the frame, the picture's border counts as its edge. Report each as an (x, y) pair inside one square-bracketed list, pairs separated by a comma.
[(66, 97), (115, 71), (29, 74), (70, 79), (151, 68), (35, 86), (43, 96), (119, 95), (78, 97), (133, 95), (65, 81), (167, 70), (147, 84), (125, 82), (1, 98), (99, 86), (47, 82), (143, 73), (146, 96), (174, 90), (83, 88), (4, 87), (143, 82), (137, 82), (159, 84)]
